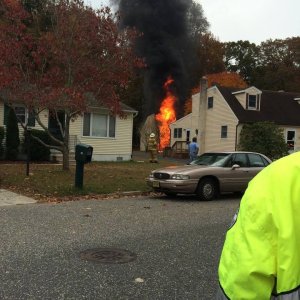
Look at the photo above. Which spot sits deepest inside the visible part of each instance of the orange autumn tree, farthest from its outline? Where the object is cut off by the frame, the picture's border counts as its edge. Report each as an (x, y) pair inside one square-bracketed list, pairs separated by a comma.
[(226, 79)]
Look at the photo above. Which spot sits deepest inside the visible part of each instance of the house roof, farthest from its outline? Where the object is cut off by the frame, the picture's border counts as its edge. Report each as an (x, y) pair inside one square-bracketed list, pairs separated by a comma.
[(92, 103), (184, 117), (125, 107), (278, 107)]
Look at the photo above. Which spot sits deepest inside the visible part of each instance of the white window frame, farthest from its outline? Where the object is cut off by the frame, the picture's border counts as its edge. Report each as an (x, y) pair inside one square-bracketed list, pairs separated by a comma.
[(288, 141), (226, 132), (210, 102), (22, 118), (177, 130), (256, 99), (108, 117)]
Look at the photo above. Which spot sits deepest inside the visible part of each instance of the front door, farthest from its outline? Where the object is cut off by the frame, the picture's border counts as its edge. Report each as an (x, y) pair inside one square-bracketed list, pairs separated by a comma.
[(53, 125), (188, 136)]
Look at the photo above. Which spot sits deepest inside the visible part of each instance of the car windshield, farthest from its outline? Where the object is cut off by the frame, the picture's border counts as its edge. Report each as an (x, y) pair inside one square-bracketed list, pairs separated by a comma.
[(211, 159)]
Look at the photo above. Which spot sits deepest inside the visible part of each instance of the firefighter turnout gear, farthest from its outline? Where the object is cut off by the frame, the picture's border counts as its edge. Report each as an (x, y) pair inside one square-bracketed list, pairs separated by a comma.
[(261, 255), (152, 148)]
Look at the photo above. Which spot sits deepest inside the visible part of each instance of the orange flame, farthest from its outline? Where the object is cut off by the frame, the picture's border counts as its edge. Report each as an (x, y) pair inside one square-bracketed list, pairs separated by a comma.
[(166, 115)]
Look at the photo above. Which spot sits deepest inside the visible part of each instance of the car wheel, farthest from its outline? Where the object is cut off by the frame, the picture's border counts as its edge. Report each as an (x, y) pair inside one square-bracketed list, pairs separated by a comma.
[(207, 189), (170, 194)]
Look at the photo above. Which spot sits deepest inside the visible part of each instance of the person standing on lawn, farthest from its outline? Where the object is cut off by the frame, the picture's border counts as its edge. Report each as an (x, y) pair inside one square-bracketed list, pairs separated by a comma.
[(193, 149), (152, 148)]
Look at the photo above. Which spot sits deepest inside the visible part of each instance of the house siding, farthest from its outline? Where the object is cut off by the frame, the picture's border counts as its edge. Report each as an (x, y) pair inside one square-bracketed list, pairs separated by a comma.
[(219, 115), (108, 149), (185, 123), (297, 136), (104, 149), (285, 130), (43, 117), (242, 97)]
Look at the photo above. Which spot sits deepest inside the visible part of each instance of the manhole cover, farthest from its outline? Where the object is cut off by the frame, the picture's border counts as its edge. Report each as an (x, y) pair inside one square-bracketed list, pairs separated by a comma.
[(108, 255)]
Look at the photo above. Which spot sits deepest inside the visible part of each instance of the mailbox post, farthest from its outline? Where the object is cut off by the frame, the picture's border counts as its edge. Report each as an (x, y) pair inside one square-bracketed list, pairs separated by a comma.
[(27, 139), (83, 155)]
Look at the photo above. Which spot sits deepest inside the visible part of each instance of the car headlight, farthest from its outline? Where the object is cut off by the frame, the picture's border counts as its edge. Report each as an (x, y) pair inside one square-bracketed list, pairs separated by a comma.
[(151, 176), (180, 177)]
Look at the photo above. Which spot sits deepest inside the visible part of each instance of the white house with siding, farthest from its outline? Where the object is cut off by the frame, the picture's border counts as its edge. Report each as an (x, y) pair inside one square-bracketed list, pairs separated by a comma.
[(219, 113), (110, 136)]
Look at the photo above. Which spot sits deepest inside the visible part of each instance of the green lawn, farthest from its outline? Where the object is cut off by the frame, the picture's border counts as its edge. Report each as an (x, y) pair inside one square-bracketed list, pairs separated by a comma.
[(48, 182)]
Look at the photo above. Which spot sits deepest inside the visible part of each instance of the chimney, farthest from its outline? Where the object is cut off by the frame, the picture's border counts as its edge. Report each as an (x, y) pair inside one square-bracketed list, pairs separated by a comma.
[(202, 113)]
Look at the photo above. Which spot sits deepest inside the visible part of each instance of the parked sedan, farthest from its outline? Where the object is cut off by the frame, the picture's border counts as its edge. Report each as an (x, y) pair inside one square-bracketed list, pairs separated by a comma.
[(209, 175)]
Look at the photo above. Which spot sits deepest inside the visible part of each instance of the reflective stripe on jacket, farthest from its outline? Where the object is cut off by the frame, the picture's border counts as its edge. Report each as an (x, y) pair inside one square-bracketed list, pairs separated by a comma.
[(293, 295), (261, 253)]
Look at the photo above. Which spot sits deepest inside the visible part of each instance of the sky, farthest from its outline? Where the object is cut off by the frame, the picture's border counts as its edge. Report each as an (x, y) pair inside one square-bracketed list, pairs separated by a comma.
[(255, 20)]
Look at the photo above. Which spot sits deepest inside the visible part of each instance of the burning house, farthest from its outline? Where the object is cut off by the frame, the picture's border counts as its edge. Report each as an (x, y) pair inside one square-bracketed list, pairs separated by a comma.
[(159, 123), (165, 46)]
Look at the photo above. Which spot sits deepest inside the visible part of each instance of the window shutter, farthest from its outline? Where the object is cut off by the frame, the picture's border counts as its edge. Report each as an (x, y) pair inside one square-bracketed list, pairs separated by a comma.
[(257, 101), (6, 112), (247, 99), (31, 119)]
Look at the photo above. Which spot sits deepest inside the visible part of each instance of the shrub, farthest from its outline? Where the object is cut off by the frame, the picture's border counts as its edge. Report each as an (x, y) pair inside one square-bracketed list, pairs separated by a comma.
[(12, 136), (38, 152), (2, 134), (263, 137)]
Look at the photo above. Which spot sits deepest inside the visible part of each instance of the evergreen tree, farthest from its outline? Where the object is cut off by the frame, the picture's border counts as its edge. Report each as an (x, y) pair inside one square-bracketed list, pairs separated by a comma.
[(2, 135), (12, 136), (263, 137)]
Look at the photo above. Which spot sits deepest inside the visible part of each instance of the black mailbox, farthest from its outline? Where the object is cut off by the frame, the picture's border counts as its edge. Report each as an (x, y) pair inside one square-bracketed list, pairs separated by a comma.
[(83, 153)]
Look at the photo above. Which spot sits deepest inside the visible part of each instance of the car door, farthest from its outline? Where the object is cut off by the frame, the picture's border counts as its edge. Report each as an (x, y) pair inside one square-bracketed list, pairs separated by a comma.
[(256, 164), (237, 178)]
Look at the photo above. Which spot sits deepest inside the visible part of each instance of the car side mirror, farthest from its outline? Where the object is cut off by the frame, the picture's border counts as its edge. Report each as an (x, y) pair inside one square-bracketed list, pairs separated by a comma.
[(235, 166)]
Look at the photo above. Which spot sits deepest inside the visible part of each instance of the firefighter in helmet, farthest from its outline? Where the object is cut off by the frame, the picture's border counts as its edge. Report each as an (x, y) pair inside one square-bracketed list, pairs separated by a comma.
[(152, 148)]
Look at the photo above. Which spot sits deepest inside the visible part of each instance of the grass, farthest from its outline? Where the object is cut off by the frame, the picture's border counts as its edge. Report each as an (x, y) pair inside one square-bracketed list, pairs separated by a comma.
[(48, 182)]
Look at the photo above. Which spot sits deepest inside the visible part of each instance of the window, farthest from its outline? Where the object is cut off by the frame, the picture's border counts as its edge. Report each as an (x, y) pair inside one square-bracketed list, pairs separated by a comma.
[(252, 101), (177, 133), (255, 160), (210, 102), (290, 140), (22, 114), (223, 132), (241, 160), (99, 125)]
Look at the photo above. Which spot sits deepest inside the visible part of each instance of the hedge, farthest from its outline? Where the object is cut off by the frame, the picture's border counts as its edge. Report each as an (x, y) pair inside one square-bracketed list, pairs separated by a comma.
[(38, 152)]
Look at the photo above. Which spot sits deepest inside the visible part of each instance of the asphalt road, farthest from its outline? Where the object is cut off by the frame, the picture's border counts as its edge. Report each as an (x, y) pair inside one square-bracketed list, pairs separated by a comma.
[(177, 243)]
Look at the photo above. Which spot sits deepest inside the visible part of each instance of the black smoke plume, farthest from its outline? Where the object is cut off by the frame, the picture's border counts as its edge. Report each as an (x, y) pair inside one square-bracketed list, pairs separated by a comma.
[(164, 44)]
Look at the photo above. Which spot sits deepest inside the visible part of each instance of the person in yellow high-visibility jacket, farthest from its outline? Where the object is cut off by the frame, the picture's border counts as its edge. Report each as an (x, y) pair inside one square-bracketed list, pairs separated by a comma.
[(261, 255)]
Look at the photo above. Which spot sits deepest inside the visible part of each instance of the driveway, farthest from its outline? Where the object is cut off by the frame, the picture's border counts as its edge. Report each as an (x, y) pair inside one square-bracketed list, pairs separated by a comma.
[(177, 244), (10, 198)]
